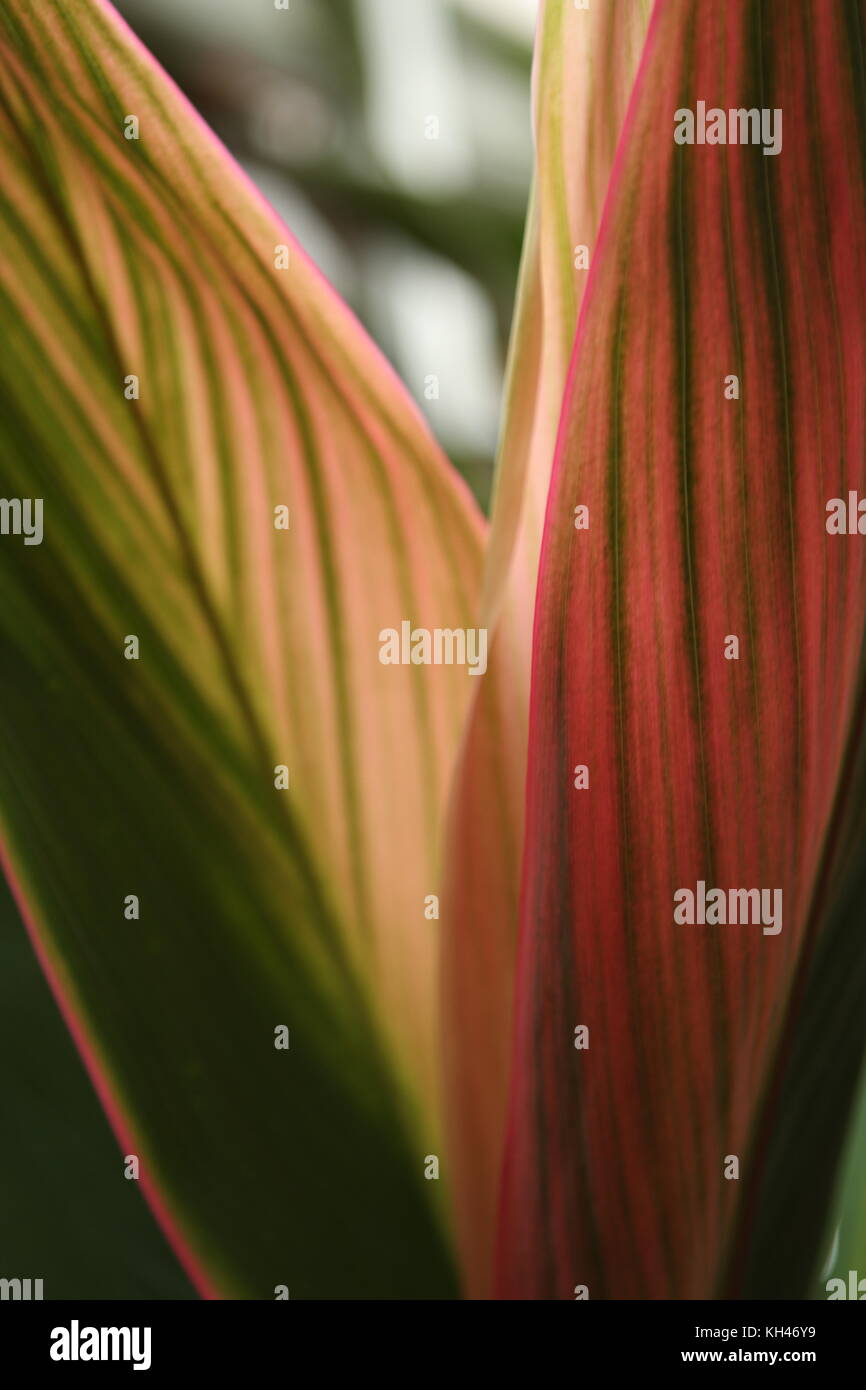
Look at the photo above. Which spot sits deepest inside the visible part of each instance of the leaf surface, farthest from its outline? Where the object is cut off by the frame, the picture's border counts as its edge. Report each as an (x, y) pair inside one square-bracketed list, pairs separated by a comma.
[(175, 372), (584, 64), (707, 517)]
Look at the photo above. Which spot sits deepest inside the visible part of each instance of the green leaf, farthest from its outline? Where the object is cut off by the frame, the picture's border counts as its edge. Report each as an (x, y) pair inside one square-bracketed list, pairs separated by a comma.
[(845, 1238), (66, 1214), (153, 258)]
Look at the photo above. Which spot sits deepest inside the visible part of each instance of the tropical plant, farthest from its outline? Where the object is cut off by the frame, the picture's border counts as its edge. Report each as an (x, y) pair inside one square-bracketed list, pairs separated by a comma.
[(308, 942)]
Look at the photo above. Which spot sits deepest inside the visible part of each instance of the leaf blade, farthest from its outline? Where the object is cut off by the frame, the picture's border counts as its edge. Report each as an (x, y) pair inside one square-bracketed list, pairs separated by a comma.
[(584, 64), (259, 648), (706, 520)]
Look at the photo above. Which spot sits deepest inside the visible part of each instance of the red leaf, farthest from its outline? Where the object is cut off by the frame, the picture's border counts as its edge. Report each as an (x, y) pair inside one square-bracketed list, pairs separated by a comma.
[(584, 64), (706, 520)]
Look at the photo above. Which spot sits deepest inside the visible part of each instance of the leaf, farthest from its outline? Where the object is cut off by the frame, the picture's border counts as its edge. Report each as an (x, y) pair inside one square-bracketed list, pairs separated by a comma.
[(846, 1236), (706, 519), (816, 1104), (153, 258), (584, 64), (104, 1243)]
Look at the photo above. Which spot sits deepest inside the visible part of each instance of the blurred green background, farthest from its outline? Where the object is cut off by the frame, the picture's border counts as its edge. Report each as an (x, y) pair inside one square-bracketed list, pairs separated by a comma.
[(393, 136)]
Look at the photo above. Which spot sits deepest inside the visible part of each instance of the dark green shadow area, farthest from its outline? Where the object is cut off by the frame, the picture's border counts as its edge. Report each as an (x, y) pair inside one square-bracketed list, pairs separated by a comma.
[(67, 1214)]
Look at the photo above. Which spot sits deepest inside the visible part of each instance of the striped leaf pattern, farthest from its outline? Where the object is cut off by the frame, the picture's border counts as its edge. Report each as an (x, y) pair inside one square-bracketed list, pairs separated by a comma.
[(585, 61), (232, 475), (636, 1150)]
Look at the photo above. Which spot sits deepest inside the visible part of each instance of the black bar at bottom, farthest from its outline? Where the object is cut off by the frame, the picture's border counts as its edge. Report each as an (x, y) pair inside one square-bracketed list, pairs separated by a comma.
[(159, 1339)]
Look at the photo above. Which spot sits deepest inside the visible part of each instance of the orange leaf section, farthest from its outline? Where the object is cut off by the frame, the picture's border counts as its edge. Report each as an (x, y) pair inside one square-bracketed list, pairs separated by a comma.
[(697, 649)]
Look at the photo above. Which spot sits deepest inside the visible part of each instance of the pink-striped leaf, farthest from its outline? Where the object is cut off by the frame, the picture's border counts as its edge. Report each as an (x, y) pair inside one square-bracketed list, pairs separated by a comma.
[(699, 651), (584, 64)]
